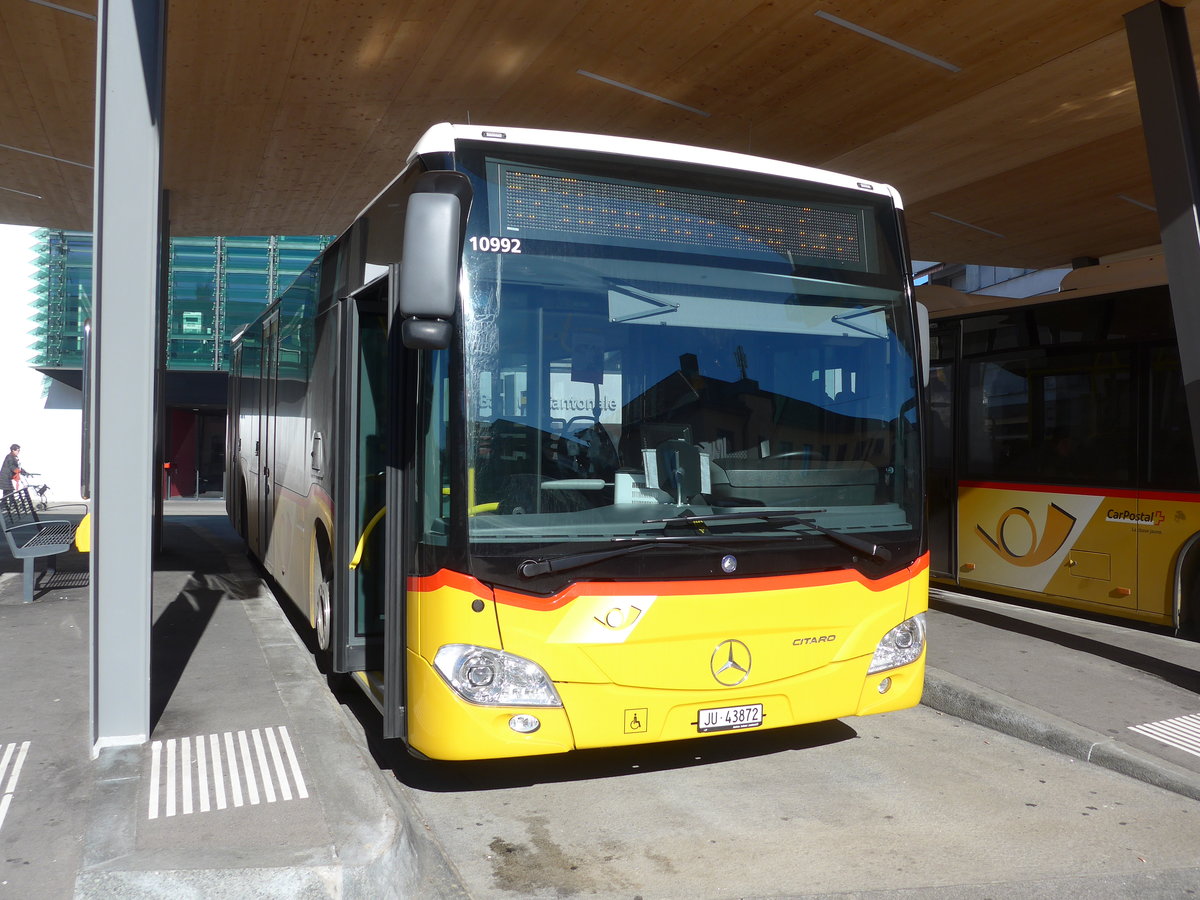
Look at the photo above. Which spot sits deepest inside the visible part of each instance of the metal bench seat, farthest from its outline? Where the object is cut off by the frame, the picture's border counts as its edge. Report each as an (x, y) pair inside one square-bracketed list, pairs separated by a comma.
[(29, 536)]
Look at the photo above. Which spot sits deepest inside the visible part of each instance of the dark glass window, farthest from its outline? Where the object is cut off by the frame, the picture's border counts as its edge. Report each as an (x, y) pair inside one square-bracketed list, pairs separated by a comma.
[(1080, 322), (1064, 418), (1144, 314), (1172, 462), (942, 338), (994, 332)]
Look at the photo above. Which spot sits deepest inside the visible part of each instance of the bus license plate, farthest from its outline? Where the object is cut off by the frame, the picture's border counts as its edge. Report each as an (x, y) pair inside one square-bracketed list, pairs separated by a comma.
[(727, 718)]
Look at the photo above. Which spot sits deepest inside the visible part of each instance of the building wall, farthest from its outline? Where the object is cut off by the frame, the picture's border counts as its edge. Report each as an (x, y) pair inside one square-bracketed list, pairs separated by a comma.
[(215, 285), (41, 415)]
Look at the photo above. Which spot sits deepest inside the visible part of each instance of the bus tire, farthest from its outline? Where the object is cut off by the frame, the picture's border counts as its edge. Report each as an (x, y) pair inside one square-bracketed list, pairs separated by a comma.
[(1189, 611), (320, 580), (1187, 583)]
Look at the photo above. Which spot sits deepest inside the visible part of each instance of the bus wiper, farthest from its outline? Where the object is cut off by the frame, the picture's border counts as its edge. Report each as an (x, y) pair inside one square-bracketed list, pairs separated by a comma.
[(871, 549), (781, 519), (531, 568), (688, 519), (845, 318), (534, 567)]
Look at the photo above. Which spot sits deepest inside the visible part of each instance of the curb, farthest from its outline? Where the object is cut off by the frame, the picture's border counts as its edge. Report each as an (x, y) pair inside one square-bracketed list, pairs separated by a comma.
[(955, 696)]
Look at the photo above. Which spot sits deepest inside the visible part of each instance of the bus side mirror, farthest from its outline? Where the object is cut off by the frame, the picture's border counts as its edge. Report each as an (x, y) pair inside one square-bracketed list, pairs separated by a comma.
[(923, 339), (429, 268)]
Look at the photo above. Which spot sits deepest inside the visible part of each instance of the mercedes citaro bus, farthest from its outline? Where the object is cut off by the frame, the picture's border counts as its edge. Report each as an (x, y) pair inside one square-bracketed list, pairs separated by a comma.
[(576, 441)]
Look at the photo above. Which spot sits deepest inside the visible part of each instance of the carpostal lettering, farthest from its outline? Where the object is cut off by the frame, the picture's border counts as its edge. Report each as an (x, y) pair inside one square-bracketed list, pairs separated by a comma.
[(1135, 518), (799, 642)]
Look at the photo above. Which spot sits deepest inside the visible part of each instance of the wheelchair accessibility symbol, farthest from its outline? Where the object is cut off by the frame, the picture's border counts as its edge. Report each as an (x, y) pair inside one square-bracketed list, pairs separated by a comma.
[(636, 721)]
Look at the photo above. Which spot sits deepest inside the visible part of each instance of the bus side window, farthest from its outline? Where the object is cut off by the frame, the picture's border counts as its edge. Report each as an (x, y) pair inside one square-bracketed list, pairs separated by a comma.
[(1171, 461)]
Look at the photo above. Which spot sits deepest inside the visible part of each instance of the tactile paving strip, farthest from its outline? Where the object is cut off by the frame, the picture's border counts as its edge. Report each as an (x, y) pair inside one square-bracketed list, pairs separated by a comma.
[(217, 771), (1182, 732)]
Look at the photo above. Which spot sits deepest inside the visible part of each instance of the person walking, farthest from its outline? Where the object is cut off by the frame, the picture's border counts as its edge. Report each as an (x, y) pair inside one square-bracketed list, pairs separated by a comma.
[(11, 469)]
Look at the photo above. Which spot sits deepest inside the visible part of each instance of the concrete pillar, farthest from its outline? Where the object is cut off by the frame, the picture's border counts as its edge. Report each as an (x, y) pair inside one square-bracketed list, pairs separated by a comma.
[(128, 233), (1170, 106)]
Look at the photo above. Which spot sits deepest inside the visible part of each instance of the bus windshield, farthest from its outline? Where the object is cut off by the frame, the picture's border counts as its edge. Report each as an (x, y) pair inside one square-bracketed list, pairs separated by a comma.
[(659, 353)]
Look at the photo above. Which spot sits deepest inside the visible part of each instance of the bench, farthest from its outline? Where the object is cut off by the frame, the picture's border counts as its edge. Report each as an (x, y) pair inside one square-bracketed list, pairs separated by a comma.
[(30, 536)]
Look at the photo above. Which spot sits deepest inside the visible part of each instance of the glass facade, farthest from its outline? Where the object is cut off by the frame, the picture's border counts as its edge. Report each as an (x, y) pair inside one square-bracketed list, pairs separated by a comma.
[(215, 285), (64, 289)]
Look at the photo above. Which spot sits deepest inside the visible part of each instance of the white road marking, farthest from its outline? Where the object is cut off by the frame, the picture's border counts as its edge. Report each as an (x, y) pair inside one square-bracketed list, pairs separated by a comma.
[(267, 780), (9, 750), (235, 780), (155, 761), (185, 769), (171, 777), (248, 769), (202, 772), (218, 775), (297, 776), (20, 751), (277, 760), (194, 774), (1182, 732)]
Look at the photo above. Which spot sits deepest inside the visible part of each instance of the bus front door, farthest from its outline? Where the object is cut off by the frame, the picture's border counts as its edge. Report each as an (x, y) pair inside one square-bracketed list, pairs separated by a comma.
[(943, 493), (357, 618)]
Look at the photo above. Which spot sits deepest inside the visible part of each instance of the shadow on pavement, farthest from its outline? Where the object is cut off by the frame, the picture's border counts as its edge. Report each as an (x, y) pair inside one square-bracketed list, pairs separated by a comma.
[(173, 639)]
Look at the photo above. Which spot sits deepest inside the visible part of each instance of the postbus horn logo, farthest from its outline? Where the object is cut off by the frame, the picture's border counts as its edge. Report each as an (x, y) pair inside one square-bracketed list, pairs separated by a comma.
[(1059, 523)]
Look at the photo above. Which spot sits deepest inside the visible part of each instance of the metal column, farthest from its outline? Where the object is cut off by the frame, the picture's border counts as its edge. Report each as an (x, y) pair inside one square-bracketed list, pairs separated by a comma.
[(1170, 106), (128, 234)]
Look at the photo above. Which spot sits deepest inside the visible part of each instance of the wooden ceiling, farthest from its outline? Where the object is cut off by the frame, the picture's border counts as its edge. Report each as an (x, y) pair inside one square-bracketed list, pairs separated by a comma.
[(287, 116)]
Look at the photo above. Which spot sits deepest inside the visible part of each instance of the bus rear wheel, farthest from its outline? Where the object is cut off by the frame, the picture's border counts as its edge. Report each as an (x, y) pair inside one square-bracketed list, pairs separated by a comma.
[(319, 580), (321, 606)]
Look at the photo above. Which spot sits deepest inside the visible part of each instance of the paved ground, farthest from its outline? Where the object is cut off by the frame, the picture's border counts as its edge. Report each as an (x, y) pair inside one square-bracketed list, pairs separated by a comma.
[(253, 786), (258, 783), (915, 801), (1120, 697)]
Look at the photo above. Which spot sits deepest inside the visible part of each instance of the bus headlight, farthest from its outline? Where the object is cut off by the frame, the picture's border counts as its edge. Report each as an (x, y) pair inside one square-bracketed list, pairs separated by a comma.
[(900, 646), (494, 678)]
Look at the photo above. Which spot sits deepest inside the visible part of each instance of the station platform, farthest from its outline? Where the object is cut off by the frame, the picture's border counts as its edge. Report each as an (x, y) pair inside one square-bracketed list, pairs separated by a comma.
[(253, 785), (1118, 696), (256, 783)]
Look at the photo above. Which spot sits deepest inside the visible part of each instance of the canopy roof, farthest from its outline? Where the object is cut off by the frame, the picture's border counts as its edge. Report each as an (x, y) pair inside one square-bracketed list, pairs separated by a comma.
[(1014, 137)]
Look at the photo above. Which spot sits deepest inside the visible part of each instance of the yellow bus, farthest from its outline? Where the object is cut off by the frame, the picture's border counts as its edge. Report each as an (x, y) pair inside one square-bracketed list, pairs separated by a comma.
[(1061, 462), (575, 441)]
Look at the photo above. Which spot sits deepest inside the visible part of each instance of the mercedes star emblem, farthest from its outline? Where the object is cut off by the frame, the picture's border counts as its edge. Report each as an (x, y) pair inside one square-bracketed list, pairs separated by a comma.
[(731, 662)]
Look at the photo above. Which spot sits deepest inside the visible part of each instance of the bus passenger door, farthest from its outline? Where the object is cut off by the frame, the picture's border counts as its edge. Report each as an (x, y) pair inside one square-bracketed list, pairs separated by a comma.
[(1168, 511), (943, 493), (265, 444), (233, 443), (360, 516)]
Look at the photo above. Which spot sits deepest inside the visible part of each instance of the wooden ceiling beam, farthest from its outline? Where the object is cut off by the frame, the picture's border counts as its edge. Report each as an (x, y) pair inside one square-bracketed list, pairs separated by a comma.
[(287, 117)]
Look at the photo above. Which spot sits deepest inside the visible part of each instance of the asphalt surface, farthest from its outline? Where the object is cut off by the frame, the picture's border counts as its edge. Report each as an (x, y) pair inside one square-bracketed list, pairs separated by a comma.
[(256, 783)]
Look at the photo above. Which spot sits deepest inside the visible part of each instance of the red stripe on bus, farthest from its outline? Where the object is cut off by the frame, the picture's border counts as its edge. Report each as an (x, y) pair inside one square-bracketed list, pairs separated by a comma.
[(1170, 497), (1121, 493), (459, 581)]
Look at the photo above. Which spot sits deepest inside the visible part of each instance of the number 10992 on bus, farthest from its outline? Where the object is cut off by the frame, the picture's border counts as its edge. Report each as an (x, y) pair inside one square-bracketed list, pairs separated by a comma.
[(728, 718)]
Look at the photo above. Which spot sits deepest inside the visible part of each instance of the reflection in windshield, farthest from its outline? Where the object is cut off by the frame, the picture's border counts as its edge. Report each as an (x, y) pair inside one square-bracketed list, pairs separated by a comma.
[(608, 386)]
